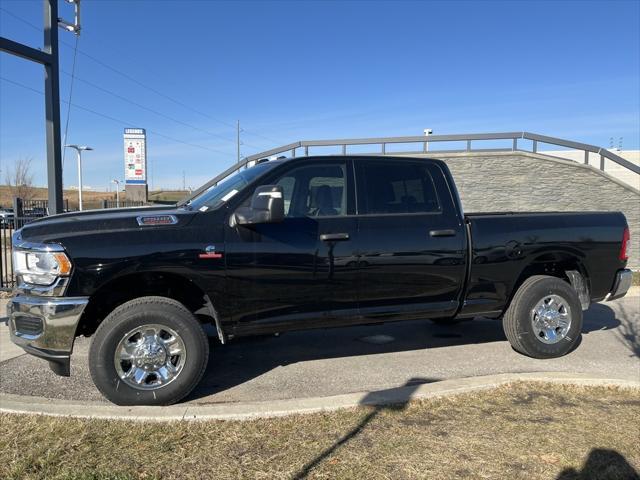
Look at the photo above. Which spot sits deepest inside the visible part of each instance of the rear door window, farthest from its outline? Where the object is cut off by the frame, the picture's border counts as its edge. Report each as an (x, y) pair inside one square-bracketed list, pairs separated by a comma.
[(397, 187)]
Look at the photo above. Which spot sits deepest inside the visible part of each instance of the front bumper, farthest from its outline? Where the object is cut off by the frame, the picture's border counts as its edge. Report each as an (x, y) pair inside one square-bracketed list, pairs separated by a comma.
[(46, 327), (621, 286)]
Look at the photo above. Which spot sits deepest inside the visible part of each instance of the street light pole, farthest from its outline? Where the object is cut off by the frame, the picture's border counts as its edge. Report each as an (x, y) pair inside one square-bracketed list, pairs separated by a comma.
[(117, 182), (79, 149), (427, 132)]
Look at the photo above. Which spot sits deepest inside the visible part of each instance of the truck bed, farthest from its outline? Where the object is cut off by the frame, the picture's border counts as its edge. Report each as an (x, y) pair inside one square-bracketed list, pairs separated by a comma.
[(508, 246)]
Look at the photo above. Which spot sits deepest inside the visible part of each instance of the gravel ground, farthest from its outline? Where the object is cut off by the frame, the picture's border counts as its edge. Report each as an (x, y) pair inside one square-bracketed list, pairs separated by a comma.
[(336, 361)]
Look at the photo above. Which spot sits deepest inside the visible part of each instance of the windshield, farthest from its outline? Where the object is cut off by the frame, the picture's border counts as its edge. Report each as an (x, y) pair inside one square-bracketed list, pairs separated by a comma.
[(217, 195)]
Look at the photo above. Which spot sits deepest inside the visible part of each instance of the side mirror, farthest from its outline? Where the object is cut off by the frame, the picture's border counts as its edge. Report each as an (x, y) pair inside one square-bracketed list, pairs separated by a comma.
[(267, 206)]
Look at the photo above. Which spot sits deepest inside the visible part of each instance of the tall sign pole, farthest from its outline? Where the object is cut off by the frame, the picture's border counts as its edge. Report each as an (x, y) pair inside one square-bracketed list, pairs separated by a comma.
[(48, 57), (135, 164), (52, 107)]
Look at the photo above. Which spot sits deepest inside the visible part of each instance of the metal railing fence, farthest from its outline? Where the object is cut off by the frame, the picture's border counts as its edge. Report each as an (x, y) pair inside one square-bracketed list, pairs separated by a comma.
[(468, 140)]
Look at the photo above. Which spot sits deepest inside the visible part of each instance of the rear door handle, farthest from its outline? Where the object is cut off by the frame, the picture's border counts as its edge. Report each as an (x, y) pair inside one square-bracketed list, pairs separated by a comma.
[(334, 237), (442, 233)]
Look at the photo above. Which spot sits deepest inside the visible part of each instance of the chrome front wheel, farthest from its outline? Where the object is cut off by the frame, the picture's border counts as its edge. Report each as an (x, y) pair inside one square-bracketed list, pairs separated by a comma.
[(148, 351), (150, 356)]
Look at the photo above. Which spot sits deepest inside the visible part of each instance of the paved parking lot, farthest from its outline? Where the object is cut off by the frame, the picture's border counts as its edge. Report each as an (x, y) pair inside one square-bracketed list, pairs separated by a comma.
[(336, 361)]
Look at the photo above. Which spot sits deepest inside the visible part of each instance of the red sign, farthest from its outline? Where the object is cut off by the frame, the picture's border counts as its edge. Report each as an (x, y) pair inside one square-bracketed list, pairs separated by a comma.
[(131, 150), (138, 172)]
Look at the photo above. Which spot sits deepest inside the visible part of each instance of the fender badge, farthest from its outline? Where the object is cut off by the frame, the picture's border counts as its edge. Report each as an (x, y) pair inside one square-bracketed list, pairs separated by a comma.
[(150, 220), (210, 253)]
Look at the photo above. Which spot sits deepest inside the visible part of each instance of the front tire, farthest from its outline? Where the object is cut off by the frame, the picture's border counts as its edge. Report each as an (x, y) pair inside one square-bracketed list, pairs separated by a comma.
[(148, 351), (544, 319)]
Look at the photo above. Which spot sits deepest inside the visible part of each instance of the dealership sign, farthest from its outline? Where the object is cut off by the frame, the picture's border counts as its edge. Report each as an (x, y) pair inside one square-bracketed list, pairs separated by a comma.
[(135, 156)]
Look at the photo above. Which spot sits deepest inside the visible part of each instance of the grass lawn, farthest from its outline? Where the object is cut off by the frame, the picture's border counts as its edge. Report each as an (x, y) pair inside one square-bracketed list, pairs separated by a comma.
[(523, 431)]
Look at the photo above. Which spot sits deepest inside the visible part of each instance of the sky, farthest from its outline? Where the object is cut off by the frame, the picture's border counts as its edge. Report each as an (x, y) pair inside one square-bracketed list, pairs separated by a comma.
[(296, 70)]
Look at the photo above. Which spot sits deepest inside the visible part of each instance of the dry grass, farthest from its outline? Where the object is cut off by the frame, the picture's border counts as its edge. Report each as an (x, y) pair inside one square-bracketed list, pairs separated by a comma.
[(524, 431), (167, 195), (91, 198)]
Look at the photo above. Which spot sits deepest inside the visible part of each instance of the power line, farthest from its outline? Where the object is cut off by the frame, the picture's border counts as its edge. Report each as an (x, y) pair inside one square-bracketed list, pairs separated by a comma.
[(155, 112), (26, 22), (73, 72), (165, 96), (122, 122), (139, 83)]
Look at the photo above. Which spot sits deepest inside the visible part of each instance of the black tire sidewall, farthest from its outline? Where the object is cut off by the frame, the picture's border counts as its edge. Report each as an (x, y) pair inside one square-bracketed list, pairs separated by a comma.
[(122, 321), (527, 336)]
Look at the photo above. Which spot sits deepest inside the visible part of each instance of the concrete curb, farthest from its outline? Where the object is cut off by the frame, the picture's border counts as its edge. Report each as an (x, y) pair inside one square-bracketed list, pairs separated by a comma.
[(251, 410)]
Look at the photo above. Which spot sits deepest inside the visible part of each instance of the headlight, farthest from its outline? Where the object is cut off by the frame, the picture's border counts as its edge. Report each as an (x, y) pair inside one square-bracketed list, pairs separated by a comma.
[(40, 267)]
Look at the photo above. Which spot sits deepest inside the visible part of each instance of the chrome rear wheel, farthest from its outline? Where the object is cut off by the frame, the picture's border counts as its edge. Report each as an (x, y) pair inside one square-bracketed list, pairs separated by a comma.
[(544, 318), (551, 319)]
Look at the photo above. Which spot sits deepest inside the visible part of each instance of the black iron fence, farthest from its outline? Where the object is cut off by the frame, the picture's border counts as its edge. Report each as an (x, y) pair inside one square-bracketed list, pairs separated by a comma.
[(25, 211), (121, 204), (40, 208), (8, 225)]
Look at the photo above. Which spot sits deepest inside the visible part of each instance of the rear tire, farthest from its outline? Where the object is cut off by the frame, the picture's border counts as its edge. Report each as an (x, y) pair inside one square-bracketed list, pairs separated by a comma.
[(544, 319), (148, 351)]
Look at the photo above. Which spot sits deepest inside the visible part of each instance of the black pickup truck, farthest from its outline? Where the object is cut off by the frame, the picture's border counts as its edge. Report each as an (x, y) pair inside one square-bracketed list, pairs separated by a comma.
[(300, 243)]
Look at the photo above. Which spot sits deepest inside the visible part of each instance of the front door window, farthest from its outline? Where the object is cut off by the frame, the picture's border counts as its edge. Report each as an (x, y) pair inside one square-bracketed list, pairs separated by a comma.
[(314, 191)]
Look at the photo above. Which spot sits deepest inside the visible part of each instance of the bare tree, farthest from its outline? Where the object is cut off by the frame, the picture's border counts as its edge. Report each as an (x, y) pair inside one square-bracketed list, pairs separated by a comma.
[(20, 179)]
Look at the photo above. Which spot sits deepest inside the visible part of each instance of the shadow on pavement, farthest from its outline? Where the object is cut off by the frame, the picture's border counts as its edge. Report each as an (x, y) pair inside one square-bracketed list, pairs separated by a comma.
[(629, 331), (246, 358)]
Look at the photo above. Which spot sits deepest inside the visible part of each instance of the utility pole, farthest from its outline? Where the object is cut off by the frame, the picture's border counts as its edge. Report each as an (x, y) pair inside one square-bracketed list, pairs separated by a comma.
[(48, 57), (184, 181)]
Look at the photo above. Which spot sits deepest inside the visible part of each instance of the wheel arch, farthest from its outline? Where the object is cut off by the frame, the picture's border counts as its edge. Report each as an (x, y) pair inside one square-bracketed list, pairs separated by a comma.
[(562, 264), (127, 287)]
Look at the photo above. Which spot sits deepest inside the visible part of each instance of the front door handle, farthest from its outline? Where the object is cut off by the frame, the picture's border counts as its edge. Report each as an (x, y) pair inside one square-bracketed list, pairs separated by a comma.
[(442, 233), (334, 237)]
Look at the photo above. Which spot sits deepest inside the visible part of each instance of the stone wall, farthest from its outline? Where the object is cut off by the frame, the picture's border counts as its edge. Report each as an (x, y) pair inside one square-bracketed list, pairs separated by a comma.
[(523, 181)]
